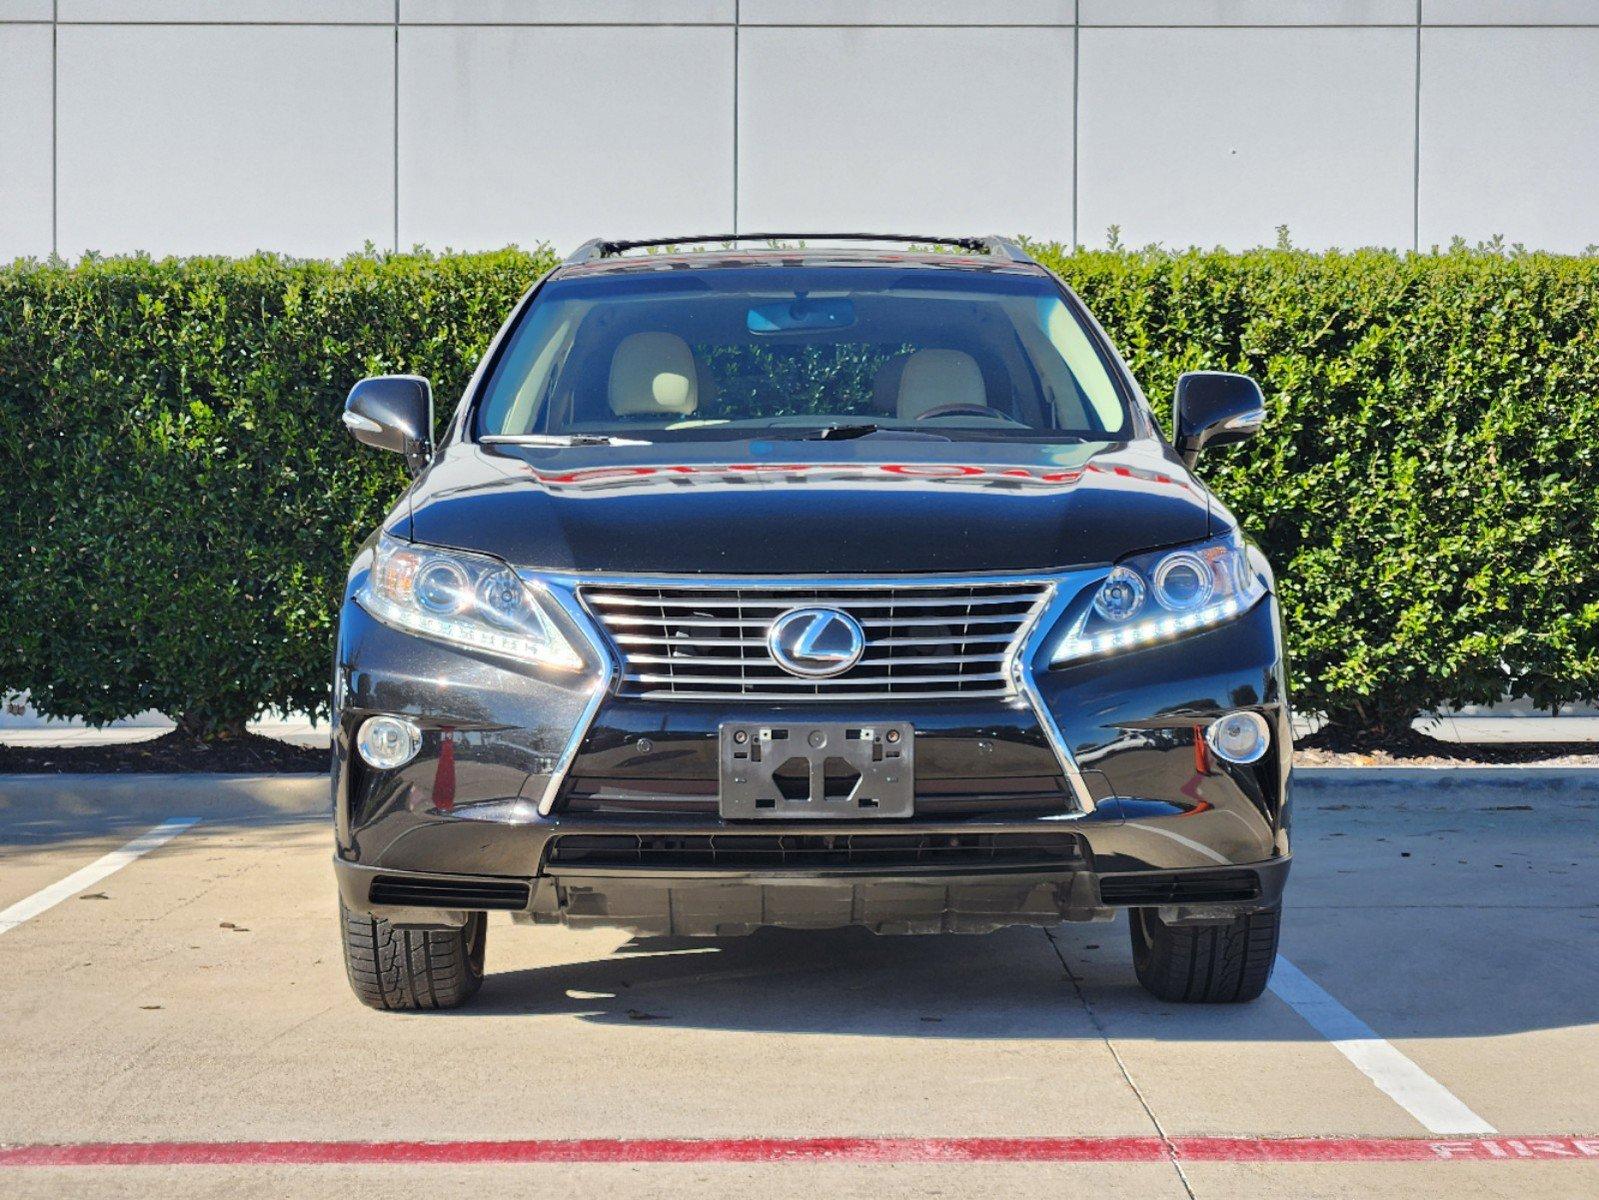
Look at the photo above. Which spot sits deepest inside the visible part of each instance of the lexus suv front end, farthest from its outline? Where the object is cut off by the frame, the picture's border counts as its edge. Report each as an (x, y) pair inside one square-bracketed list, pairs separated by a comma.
[(807, 587)]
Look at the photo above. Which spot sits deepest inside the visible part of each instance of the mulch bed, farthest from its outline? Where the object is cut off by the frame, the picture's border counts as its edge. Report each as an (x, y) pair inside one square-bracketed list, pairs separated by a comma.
[(1343, 748), (175, 751)]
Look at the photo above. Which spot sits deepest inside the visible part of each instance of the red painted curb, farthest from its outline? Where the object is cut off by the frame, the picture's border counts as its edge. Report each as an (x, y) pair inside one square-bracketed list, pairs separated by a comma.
[(781, 1150)]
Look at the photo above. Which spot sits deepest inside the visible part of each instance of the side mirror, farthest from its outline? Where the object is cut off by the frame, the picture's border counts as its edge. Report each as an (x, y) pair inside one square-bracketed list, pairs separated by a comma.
[(1215, 408), (393, 412)]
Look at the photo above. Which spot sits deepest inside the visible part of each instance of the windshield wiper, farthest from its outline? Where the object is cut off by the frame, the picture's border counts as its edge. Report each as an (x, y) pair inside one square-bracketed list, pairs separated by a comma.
[(830, 433), (839, 433), (559, 439), (1012, 433)]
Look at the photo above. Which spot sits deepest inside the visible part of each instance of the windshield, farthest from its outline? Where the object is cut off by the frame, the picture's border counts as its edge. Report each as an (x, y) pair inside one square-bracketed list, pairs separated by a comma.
[(708, 351)]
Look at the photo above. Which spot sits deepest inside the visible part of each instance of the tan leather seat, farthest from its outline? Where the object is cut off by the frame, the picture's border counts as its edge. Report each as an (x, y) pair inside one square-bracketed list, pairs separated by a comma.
[(653, 374), (937, 378)]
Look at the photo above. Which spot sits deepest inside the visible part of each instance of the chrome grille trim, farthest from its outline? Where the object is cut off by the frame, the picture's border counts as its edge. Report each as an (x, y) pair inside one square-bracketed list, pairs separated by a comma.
[(697, 598), (678, 639)]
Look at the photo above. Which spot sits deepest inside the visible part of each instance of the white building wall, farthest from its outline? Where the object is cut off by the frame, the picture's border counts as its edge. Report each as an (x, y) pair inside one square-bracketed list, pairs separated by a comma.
[(317, 126)]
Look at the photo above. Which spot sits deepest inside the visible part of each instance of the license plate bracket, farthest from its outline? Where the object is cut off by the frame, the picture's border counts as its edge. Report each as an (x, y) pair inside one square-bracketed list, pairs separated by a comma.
[(808, 769)]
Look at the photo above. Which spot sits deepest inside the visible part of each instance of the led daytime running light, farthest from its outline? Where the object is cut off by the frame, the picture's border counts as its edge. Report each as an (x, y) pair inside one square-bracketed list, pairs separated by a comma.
[(1144, 633), (470, 634), (1214, 583)]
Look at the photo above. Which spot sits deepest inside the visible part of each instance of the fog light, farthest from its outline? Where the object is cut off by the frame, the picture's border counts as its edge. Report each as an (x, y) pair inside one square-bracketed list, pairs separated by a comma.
[(387, 742), (1239, 737)]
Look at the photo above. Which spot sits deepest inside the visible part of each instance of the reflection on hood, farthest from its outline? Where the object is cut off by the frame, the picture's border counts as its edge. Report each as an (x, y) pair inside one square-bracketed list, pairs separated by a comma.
[(846, 508), (677, 476)]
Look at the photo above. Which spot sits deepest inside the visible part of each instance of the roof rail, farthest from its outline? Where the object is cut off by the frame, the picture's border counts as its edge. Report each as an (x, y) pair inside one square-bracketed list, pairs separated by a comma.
[(587, 252), (999, 247), (1003, 247)]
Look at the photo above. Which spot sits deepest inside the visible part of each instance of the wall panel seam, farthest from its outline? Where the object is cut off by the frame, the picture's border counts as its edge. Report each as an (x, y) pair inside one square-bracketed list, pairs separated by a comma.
[(313, 24), (395, 117), (737, 21), (226, 24), (1077, 112), (1340, 25), (55, 128), (561, 24), (907, 25), (1415, 182), (1263, 25)]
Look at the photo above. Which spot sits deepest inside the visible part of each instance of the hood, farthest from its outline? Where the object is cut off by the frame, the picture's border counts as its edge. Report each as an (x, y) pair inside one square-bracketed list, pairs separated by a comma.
[(866, 506)]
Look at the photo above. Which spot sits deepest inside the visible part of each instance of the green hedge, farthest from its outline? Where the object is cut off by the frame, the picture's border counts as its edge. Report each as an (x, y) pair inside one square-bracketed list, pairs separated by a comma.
[(1426, 485), (182, 500)]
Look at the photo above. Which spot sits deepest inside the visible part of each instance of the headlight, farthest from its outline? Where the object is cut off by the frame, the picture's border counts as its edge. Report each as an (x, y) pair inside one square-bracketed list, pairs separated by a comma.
[(1154, 597), (465, 598)]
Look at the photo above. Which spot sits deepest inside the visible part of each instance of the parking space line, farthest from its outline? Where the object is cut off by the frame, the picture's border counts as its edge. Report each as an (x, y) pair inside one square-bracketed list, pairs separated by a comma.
[(92, 874), (812, 1149), (1437, 1108)]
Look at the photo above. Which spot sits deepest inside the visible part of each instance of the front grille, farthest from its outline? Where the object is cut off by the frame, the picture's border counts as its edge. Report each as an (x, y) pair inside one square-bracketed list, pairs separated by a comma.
[(923, 641), (1141, 891), (449, 893), (818, 851)]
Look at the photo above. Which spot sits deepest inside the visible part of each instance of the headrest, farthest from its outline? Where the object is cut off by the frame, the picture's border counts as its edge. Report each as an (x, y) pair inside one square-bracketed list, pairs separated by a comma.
[(653, 373), (935, 378)]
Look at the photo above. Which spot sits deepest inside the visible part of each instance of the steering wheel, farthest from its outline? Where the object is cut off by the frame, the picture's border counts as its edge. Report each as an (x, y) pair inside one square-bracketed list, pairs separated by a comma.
[(956, 410)]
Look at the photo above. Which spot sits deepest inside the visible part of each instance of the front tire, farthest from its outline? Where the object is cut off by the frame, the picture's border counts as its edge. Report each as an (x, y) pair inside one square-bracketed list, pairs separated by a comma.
[(410, 969), (1226, 963)]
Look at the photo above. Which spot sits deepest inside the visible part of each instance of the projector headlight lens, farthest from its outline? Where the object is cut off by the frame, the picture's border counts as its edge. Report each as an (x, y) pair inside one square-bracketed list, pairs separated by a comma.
[(1154, 597), (1121, 595), (440, 587), (1183, 582)]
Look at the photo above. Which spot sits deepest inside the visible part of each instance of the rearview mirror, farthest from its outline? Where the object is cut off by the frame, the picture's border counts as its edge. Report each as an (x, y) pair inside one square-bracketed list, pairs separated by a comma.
[(393, 412), (1215, 408), (801, 314)]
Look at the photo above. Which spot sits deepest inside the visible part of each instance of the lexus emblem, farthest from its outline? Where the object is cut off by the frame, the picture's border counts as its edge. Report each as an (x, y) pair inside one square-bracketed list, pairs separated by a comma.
[(816, 643)]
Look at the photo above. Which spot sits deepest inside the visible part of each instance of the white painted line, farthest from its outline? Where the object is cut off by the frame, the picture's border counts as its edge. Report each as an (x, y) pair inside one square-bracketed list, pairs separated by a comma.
[(92, 874), (1418, 1093)]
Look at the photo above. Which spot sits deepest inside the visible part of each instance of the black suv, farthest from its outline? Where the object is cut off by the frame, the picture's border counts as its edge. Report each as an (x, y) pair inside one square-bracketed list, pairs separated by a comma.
[(807, 587)]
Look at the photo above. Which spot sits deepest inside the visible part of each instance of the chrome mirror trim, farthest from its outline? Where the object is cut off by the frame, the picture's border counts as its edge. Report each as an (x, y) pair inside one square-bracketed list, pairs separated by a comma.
[(354, 420)]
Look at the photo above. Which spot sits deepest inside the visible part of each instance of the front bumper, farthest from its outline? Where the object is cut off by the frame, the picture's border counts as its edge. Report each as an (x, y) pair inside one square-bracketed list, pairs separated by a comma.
[(699, 901), (633, 837)]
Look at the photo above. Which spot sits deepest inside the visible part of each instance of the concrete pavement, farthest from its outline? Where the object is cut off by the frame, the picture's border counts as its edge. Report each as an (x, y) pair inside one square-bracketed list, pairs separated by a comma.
[(196, 994)]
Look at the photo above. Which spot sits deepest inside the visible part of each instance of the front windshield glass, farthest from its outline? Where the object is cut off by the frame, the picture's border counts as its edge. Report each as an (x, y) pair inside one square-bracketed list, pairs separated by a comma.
[(757, 351)]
